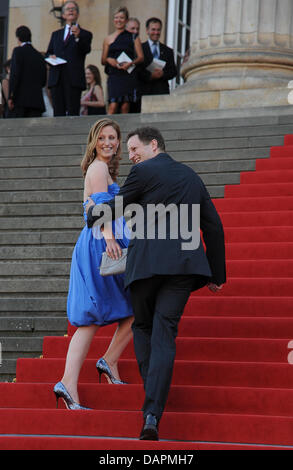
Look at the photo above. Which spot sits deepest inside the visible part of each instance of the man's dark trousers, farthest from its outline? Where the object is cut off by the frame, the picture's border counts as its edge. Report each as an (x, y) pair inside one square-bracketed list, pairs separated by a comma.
[(158, 303), (66, 98)]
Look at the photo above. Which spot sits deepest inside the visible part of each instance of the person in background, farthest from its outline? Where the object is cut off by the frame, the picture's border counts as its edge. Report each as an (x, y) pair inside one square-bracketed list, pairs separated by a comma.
[(27, 78), (92, 102), (162, 271), (93, 300), (71, 43), (156, 82), (122, 85), (5, 88), (133, 26)]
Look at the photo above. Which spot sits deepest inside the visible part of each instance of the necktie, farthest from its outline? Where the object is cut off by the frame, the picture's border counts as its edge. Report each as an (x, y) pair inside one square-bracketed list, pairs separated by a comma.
[(155, 51), (67, 35)]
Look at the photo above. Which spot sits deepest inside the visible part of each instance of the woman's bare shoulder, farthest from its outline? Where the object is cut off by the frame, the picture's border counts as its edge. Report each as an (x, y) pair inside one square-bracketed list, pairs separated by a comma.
[(97, 166)]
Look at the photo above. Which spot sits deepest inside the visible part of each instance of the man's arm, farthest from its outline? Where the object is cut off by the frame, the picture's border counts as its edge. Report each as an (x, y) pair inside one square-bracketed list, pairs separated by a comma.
[(84, 41), (213, 235), (130, 192), (15, 73), (170, 69), (51, 46)]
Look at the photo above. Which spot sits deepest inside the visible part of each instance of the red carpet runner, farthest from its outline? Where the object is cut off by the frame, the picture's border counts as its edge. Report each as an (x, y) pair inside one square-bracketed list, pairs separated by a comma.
[(232, 385)]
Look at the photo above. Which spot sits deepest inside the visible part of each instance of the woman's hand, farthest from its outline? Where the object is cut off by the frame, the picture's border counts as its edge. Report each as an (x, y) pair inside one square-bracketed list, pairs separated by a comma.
[(112, 62), (124, 65), (113, 250)]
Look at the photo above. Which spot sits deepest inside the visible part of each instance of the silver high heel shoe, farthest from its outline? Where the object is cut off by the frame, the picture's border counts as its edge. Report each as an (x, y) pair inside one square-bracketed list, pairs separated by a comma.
[(61, 392), (103, 368)]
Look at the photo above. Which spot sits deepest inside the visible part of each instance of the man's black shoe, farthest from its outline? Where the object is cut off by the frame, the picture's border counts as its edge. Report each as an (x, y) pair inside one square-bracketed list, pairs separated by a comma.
[(149, 431)]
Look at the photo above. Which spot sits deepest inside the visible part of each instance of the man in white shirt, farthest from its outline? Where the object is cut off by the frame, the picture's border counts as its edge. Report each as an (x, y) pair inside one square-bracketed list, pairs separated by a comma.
[(156, 82)]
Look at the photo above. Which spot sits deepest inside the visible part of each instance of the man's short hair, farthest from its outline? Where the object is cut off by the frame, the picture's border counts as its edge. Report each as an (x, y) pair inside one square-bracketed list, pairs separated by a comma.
[(153, 20), (69, 1), (23, 33), (147, 134)]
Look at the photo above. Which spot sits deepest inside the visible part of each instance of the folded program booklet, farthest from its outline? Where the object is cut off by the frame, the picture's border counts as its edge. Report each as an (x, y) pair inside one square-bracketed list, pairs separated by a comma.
[(57, 61), (123, 57), (156, 64)]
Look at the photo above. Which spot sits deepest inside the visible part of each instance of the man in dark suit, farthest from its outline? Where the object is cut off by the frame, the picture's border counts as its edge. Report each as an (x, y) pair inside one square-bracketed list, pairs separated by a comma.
[(27, 78), (162, 271), (156, 82), (67, 81)]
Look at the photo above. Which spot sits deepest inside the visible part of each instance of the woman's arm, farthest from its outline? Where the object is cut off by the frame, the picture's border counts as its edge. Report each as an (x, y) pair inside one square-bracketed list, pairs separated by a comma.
[(100, 98), (96, 181), (105, 59), (139, 52)]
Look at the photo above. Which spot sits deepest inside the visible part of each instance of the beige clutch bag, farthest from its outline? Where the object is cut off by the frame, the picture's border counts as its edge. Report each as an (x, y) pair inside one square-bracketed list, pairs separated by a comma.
[(110, 267)]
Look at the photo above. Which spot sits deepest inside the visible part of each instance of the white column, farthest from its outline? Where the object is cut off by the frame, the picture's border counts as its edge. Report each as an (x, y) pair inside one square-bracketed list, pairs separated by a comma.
[(239, 44)]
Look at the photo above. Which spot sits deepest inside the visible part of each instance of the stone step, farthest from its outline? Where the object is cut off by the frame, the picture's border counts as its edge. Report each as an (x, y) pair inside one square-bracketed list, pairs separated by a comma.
[(32, 284), (66, 166), (22, 268), (214, 183), (75, 144), (41, 223), (41, 196), (74, 171), (14, 347), (171, 146), (39, 238), (169, 135), (32, 325), (41, 208), (67, 161), (36, 285), (59, 252), (180, 120)]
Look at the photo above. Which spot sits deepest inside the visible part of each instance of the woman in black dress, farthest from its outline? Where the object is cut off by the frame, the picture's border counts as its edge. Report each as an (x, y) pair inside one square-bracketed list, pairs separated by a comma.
[(122, 84)]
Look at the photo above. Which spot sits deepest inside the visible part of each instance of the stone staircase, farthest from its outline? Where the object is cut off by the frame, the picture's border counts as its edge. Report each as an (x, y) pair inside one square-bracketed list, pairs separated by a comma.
[(41, 202)]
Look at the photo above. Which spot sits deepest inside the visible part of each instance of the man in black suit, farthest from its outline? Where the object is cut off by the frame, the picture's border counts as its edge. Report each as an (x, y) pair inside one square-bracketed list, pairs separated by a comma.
[(27, 78), (156, 82), (162, 270), (67, 81)]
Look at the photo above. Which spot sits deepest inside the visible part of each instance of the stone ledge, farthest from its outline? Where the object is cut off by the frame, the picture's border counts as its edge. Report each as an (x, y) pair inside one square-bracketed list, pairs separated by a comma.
[(219, 100)]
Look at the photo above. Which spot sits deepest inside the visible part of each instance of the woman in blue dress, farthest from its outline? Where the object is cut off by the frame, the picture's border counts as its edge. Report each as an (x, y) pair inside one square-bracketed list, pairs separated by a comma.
[(122, 85), (93, 300)]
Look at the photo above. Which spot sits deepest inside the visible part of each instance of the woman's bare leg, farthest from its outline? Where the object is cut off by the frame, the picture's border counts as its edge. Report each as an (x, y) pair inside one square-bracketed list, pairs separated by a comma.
[(125, 108), (120, 340), (113, 108), (76, 354)]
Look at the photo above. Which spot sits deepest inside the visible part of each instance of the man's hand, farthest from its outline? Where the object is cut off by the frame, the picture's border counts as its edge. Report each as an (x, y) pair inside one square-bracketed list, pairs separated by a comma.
[(75, 31), (156, 74), (213, 287)]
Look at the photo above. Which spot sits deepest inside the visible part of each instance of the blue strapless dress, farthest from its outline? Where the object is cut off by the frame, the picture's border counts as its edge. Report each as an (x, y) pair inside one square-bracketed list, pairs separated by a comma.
[(93, 299)]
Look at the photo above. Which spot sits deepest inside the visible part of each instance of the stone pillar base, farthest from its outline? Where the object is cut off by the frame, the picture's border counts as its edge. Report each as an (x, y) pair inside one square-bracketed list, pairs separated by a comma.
[(192, 100)]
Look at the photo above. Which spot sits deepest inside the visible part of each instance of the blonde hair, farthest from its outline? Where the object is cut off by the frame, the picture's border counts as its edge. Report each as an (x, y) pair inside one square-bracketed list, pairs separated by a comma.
[(122, 10), (91, 153)]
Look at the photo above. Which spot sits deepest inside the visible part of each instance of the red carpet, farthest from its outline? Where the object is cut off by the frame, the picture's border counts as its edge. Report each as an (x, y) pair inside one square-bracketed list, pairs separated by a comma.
[(232, 386)]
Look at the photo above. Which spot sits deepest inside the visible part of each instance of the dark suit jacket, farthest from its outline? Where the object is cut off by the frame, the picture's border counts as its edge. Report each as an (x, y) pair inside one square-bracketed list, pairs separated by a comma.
[(27, 77), (72, 51), (160, 86), (163, 180)]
